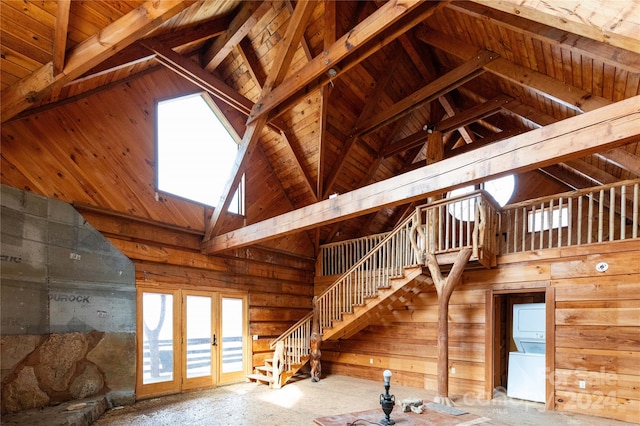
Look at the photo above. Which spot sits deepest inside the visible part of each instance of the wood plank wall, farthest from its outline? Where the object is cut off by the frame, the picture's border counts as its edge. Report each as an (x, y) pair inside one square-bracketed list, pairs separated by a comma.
[(596, 331), (279, 285)]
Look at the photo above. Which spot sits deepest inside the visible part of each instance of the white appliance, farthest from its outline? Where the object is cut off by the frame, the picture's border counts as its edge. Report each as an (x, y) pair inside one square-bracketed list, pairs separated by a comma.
[(526, 378)]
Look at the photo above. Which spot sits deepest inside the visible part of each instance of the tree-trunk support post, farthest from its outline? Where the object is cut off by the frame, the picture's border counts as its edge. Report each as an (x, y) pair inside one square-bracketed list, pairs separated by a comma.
[(444, 288)]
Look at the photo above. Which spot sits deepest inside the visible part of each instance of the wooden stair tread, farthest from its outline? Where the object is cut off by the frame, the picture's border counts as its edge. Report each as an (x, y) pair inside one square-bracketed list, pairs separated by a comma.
[(260, 377)]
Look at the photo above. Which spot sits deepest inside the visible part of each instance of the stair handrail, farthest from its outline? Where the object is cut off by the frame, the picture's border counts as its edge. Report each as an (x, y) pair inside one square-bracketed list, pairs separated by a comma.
[(352, 287), (297, 342)]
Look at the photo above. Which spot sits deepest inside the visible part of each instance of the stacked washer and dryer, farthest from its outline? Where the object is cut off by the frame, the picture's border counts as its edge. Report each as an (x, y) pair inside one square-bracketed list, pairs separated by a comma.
[(526, 377)]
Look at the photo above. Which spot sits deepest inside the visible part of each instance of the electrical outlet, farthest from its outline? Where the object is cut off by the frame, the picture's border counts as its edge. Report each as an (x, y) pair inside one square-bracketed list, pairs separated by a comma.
[(370, 360), (453, 370), (255, 337), (582, 384)]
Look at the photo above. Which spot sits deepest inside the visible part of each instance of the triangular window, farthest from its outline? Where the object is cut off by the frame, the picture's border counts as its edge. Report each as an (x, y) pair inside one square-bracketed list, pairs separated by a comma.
[(195, 151)]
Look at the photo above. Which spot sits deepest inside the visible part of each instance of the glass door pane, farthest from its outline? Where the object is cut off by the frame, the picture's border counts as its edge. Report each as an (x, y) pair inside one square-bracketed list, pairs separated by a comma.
[(233, 338), (158, 348), (199, 336)]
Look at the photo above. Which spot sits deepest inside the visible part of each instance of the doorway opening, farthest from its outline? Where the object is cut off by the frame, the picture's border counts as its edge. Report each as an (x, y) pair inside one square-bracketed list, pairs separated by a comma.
[(520, 344)]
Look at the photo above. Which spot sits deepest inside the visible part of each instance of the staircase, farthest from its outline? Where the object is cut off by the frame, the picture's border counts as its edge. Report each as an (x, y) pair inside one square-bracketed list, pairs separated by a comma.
[(381, 280)]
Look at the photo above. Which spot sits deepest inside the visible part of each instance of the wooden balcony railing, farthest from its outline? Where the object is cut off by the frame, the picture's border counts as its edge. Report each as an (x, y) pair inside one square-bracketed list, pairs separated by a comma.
[(451, 224), (337, 258), (586, 216)]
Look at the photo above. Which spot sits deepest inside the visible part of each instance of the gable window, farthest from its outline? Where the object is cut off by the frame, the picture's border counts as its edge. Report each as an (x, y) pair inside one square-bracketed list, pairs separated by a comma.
[(543, 220), (196, 151)]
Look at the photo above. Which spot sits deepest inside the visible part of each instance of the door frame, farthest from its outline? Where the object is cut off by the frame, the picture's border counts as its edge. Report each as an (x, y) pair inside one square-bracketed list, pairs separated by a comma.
[(160, 388), (234, 377), (550, 303), (179, 384)]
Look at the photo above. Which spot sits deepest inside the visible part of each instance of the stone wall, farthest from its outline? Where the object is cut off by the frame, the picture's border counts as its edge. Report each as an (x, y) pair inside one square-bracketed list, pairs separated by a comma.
[(68, 307)]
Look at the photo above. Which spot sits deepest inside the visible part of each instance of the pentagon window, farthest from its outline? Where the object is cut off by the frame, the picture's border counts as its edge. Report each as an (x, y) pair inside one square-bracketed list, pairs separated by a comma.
[(196, 150)]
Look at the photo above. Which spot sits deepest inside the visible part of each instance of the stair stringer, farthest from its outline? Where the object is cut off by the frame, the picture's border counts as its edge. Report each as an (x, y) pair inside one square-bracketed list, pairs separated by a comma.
[(413, 280)]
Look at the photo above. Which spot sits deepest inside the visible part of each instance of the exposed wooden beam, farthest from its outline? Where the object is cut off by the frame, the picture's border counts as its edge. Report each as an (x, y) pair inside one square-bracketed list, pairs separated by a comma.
[(543, 85), (201, 78), (325, 94), (469, 116), (423, 11), (574, 137), (60, 36), (611, 55), (371, 101), (596, 175), (444, 84), (618, 156), (451, 110), (247, 17), (248, 54), (109, 41), (330, 16), (284, 54), (303, 42), (623, 159), (298, 163), (136, 53), (347, 45), (611, 22)]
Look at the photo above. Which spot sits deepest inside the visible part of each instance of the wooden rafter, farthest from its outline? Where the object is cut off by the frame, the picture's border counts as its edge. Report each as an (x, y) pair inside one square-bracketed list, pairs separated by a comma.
[(285, 51), (548, 87), (347, 45), (303, 42), (611, 22), (620, 58), (371, 101), (112, 39), (246, 18), (60, 36), (575, 137), (298, 163), (623, 159), (459, 120), (180, 38), (444, 84), (248, 54)]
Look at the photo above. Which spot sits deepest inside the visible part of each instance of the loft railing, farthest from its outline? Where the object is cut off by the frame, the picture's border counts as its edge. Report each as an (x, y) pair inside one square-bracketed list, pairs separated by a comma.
[(586, 216), (385, 261), (337, 258), (466, 221)]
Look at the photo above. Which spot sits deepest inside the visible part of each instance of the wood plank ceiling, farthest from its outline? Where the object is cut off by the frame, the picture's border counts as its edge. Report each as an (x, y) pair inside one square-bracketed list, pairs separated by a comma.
[(331, 96)]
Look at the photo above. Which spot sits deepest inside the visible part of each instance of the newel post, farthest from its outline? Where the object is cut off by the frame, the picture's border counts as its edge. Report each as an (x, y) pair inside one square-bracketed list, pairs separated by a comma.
[(315, 342)]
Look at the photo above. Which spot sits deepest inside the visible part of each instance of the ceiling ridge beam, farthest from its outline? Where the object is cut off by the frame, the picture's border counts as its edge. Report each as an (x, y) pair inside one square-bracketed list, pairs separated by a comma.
[(545, 86), (574, 137), (438, 87), (109, 41)]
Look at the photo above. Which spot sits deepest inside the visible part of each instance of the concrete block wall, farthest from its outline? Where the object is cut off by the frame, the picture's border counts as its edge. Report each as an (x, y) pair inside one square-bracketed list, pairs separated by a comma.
[(68, 307)]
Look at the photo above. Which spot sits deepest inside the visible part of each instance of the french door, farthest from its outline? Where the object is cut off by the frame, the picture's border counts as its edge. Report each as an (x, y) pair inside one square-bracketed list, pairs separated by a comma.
[(189, 340)]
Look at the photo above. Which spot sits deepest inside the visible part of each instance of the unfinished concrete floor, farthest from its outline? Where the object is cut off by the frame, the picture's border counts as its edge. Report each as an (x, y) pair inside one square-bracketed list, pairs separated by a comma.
[(300, 402)]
